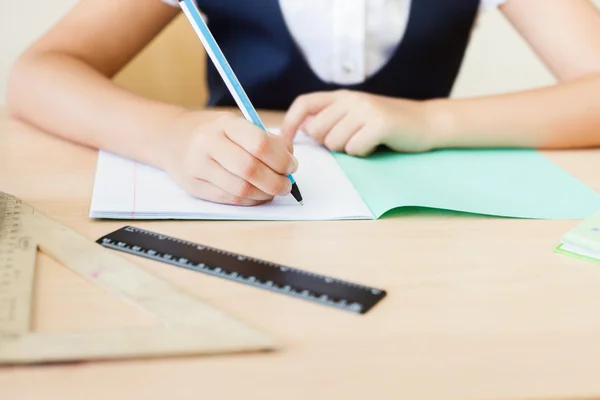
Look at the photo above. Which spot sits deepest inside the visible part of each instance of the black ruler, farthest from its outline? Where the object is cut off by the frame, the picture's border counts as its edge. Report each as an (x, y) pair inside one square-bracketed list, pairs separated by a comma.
[(237, 267)]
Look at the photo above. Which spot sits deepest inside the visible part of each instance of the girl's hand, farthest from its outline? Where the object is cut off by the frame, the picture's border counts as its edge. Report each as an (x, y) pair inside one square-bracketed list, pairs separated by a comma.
[(356, 123), (225, 159)]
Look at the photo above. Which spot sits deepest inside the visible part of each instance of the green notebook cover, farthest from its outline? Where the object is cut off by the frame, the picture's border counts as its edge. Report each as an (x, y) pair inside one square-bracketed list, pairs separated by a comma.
[(583, 241), (560, 249), (518, 183)]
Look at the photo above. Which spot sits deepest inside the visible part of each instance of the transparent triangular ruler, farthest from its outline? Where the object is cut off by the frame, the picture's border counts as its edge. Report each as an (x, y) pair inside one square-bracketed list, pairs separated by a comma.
[(187, 325)]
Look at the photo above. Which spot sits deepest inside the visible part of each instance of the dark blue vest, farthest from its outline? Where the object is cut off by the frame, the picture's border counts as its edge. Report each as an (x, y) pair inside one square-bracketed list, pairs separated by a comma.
[(256, 41)]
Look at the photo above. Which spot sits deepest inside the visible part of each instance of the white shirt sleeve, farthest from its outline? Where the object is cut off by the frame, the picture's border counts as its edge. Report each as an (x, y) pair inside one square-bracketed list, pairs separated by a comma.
[(490, 4), (171, 2)]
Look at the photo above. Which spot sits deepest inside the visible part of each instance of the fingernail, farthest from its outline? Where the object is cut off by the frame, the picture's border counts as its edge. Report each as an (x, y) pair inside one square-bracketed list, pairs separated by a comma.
[(293, 166)]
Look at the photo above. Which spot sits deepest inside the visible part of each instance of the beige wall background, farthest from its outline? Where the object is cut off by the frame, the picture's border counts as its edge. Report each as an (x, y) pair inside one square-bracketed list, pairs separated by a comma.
[(498, 60)]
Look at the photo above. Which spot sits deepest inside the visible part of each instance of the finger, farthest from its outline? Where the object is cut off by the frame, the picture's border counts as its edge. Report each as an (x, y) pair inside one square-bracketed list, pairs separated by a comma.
[(289, 146), (324, 121), (269, 149), (341, 133), (241, 163), (307, 121), (304, 106), (363, 142), (207, 191), (232, 184)]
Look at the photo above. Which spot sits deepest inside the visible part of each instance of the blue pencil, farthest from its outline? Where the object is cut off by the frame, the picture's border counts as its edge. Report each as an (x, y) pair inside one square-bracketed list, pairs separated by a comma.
[(235, 88)]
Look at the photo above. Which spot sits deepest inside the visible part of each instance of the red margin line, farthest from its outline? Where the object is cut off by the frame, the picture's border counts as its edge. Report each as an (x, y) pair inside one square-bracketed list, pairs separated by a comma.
[(134, 188)]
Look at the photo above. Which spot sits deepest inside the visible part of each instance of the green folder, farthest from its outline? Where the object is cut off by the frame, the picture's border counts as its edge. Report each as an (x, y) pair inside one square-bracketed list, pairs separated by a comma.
[(517, 183)]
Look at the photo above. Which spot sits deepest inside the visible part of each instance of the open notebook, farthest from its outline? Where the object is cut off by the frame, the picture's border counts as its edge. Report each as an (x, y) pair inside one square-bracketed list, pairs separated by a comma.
[(509, 183)]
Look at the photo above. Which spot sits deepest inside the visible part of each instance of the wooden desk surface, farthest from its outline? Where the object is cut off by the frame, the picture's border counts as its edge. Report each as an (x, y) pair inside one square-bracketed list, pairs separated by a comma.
[(477, 307)]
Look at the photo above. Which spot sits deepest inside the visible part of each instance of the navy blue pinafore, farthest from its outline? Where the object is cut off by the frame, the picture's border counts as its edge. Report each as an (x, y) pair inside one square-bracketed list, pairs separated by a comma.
[(255, 39)]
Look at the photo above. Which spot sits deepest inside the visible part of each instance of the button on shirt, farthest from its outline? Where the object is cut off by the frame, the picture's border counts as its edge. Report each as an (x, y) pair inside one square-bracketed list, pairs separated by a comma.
[(347, 41)]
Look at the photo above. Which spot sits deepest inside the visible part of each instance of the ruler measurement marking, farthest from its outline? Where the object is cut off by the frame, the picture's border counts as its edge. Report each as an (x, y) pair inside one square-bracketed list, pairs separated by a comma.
[(219, 272), (17, 263), (244, 257), (225, 264), (8, 230)]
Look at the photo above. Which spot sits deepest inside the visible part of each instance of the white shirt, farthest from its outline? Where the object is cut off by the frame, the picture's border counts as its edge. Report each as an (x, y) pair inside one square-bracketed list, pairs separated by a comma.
[(347, 41)]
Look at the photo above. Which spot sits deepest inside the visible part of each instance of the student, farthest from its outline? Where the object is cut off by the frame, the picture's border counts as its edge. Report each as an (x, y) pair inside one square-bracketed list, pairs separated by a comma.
[(353, 74)]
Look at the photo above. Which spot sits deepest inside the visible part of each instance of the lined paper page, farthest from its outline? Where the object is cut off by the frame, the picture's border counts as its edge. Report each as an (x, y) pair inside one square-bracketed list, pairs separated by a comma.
[(125, 189)]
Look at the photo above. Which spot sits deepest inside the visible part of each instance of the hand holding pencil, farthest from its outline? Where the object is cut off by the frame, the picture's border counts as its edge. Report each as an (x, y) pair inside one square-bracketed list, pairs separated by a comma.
[(237, 91), (223, 158)]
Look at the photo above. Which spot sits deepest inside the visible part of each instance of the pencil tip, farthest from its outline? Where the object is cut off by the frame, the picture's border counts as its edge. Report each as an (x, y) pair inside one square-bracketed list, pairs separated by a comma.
[(301, 202)]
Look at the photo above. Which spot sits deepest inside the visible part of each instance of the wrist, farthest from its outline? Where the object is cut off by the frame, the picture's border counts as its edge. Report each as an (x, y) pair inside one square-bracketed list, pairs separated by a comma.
[(440, 123), (160, 146), (176, 133)]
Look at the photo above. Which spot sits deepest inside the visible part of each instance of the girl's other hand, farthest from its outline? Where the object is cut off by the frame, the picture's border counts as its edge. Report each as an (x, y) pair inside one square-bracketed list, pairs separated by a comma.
[(356, 123)]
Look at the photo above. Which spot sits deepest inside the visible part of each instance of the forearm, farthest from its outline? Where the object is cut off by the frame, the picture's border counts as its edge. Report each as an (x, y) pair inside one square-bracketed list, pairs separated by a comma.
[(566, 115), (66, 97)]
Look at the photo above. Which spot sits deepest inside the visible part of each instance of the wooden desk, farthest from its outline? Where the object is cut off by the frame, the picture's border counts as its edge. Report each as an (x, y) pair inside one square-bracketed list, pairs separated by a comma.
[(477, 307)]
